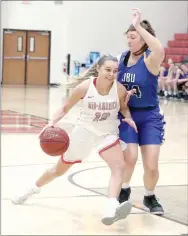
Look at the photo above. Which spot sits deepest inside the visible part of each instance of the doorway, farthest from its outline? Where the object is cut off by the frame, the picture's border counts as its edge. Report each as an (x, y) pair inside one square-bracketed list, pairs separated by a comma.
[(26, 57)]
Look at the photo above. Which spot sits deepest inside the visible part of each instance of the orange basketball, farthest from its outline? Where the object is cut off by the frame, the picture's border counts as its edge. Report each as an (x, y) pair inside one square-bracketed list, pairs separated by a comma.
[(54, 141)]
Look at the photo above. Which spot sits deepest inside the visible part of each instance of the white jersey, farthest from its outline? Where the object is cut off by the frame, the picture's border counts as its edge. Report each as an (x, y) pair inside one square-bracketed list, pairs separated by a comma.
[(99, 113)]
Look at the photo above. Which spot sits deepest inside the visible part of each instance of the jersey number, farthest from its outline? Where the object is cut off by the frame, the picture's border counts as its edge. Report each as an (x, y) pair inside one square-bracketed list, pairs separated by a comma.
[(101, 116), (138, 93)]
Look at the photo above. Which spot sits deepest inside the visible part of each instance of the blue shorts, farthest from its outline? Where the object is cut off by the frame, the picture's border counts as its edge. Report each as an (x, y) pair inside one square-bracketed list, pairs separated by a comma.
[(150, 124)]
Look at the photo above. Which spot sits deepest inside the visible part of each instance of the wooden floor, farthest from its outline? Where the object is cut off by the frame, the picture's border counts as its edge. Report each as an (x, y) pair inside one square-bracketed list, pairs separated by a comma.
[(74, 203)]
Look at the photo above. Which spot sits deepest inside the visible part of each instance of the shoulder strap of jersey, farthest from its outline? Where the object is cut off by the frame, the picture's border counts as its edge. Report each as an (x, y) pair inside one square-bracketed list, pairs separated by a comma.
[(147, 52), (91, 86), (123, 55), (115, 90)]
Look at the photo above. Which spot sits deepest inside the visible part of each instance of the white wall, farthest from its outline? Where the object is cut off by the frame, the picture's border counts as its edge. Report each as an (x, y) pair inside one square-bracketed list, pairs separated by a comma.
[(103, 23), (82, 26)]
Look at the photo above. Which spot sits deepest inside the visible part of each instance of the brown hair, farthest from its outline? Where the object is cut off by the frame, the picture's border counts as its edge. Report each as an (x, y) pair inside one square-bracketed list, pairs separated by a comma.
[(92, 71), (147, 26), (105, 58)]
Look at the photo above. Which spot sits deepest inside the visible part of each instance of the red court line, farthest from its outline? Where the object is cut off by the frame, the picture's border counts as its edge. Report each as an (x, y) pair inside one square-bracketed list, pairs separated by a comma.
[(18, 116), (20, 130), (22, 121), (18, 120)]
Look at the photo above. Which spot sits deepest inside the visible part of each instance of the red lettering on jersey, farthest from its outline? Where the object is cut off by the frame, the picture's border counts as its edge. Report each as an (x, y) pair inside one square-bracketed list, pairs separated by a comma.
[(104, 106), (92, 105), (101, 116)]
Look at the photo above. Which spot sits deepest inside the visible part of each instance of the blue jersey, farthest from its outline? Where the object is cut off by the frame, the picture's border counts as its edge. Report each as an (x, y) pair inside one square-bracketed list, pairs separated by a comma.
[(138, 77), (165, 73), (183, 76)]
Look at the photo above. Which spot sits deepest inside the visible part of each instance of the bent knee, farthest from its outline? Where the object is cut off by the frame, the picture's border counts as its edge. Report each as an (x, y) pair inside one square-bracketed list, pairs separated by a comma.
[(130, 156), (168, 82), (118, 168), (174, 82), (151, 169), (130, 161)]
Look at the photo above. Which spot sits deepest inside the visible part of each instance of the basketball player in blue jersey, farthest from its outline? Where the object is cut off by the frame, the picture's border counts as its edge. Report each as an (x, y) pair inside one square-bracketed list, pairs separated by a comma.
[(139, 68)]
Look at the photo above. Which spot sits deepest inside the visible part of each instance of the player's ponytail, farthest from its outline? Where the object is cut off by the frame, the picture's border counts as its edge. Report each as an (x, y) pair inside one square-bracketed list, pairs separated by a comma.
[(92, 71)]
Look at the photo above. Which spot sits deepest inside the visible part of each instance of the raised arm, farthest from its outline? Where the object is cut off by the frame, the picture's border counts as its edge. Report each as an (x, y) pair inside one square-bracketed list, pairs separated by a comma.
[(154, 60)]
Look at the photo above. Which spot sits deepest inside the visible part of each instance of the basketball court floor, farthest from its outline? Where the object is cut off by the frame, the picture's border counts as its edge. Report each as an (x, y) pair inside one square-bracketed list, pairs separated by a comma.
[(74, 203)]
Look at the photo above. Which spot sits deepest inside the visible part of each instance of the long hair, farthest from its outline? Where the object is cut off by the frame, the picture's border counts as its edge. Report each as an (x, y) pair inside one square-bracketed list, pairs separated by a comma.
[(92, 71)]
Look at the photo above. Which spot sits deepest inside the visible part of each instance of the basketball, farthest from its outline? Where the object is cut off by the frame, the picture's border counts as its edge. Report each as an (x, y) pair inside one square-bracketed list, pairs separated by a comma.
[(54, 141)]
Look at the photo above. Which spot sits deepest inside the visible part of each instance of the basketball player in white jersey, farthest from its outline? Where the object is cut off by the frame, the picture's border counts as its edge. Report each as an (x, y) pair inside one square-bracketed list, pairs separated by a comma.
[(103, 97)]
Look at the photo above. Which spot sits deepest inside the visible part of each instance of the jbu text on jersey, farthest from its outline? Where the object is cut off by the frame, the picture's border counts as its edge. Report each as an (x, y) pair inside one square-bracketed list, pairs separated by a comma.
[(128, 77)]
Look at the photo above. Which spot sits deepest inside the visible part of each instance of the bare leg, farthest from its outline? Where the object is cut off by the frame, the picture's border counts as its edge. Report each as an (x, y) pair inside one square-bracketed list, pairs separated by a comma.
[(159, 85), (130, 157), (150, 156), (115, 160), (169, 86), (163, 83), (59, 169), (174, 86)]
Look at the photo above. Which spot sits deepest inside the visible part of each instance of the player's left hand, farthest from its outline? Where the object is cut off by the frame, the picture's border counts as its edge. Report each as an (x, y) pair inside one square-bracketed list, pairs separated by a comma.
[(131, 122), (136, 17), (129, 94)]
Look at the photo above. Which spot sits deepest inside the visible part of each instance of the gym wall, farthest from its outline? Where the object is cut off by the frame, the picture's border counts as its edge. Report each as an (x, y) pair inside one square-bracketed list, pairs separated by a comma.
[(79, 27)]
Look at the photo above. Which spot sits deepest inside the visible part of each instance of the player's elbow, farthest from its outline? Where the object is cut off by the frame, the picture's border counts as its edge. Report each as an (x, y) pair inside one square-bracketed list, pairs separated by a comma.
[(159, 50), (162, 53), (65, 109)]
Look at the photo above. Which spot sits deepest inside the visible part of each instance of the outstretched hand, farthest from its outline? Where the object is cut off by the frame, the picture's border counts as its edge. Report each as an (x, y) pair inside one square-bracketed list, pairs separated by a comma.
[(131, 122)]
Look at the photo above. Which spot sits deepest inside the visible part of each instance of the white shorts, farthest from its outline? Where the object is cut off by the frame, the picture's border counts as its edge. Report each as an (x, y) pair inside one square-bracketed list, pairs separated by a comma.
[(82, 141)]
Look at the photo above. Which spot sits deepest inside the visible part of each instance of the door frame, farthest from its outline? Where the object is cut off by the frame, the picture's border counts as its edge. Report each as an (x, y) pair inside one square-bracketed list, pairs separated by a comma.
[(49, 50)]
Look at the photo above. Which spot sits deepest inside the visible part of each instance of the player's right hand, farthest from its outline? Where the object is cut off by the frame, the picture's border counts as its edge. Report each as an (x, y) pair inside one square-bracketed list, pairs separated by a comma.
[(131, 122), (45, 127), (136, 17)]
